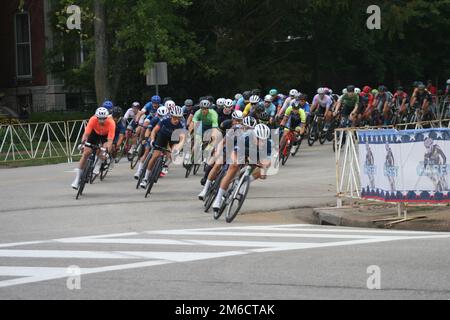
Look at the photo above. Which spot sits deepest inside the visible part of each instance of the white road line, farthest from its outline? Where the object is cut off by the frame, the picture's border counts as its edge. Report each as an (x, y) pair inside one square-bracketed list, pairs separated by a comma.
[(126, 241), (267, 234), (343, 230), (62, 254), (29, 271)]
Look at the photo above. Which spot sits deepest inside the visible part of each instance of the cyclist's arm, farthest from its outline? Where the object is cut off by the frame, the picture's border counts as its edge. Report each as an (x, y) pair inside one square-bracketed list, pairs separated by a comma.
[(214, 119), (154, 132), (111, 133)]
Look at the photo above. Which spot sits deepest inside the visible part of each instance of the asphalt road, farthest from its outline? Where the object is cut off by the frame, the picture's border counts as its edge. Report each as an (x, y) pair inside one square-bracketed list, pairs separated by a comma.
[(115, 244)]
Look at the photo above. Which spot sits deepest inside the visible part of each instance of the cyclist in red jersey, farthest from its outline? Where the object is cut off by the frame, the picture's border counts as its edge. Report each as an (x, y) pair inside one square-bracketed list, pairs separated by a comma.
[(100, 130)]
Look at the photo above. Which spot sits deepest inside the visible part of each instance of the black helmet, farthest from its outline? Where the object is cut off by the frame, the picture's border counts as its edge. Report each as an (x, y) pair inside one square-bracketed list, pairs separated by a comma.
[(351, 88), (421, 86), (260, 108), (188, 102), (210, 99), (246, 95), (382, 89), (256, 92), (117, 112), (400, 88), (303, 97)]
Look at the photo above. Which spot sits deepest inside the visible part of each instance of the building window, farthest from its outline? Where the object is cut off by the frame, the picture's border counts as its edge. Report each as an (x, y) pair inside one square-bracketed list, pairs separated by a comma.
[(23, 45)]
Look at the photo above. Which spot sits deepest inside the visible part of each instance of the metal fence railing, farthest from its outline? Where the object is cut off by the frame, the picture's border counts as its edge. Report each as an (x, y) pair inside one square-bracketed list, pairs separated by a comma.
[(30, 141)]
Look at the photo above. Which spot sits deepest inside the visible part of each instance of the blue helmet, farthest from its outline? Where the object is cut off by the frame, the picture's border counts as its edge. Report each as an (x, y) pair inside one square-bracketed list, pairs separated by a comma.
[(108, 105), (156, 99)]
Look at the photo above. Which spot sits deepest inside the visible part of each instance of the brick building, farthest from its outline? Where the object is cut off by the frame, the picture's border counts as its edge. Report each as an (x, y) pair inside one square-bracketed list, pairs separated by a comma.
[(25, 34)]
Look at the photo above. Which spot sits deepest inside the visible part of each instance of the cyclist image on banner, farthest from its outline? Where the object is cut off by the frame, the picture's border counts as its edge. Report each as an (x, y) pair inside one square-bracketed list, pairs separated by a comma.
[(435, 165), (369, 166), (390, 170)]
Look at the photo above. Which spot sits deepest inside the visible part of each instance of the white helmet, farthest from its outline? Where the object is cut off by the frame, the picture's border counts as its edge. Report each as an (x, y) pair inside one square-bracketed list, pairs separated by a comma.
[(344, 91), (228, 103), (169, 104), (357, 90), (268, 98), (205, 104), (321, 91), (176, 111), (254, 99), (135, 104), (293, 92), (262, 131), (238, 96), (237, 115), (220, 102), (249, 122), (162, 111), (448, 81), (101, 113)]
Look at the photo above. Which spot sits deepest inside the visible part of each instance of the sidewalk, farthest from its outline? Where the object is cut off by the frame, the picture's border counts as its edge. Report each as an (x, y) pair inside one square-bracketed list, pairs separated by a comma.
[(364, 213)]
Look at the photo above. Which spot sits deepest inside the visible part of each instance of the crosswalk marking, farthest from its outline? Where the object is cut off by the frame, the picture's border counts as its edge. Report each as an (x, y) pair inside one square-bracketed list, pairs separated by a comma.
[(246, 240)]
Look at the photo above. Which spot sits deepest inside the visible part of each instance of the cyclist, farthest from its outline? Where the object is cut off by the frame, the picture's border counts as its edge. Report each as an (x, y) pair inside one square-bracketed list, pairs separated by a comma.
[(349, 102), (205, 119), (129, 117), (161, 137), (225, 111), (270, 110), (108, 105), (400, 101), (259, 138), (243, 101), (189, 110), (214, 166), (287, 102), (161, 114), (100, 130), (323, 103), (294, 119), (149, 109), (365, 106), (277, 100), (119, 136), (421, 99), (251, 106)]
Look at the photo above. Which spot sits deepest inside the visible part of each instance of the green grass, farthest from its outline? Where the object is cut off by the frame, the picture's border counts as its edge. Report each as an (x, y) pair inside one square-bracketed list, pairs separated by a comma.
[(35, 162), (58, 116)]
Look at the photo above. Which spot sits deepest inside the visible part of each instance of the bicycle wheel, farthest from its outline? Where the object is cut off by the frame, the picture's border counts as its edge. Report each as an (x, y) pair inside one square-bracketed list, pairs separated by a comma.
[(154, 176), (92, 176), (312, 135), (322, 137), (237, 200), (83, 180), (104, 169), (137, 154), (286, 153), (188, 170)]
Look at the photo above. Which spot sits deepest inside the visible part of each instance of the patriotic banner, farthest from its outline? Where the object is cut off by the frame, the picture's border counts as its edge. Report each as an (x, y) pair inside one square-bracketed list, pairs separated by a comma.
[(405, 166)]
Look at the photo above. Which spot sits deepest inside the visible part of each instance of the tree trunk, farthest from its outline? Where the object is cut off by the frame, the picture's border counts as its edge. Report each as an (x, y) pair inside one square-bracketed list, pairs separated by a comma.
[(102, 89)]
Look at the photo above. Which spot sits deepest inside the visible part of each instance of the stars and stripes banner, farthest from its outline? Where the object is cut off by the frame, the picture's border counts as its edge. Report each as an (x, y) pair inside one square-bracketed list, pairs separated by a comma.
[(405, 166)]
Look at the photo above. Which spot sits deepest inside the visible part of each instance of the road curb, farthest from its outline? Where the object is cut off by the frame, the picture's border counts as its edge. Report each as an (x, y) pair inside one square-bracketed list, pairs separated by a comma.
[(331, 216)]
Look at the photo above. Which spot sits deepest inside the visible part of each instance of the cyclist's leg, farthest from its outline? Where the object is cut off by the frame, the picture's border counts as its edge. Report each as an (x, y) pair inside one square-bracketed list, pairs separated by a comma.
[(233, 169), (210, 178)]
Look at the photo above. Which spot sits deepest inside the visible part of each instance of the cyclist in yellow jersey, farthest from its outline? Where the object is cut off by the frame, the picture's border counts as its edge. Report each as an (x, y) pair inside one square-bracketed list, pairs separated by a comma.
[(294, 119), (254, 101)]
